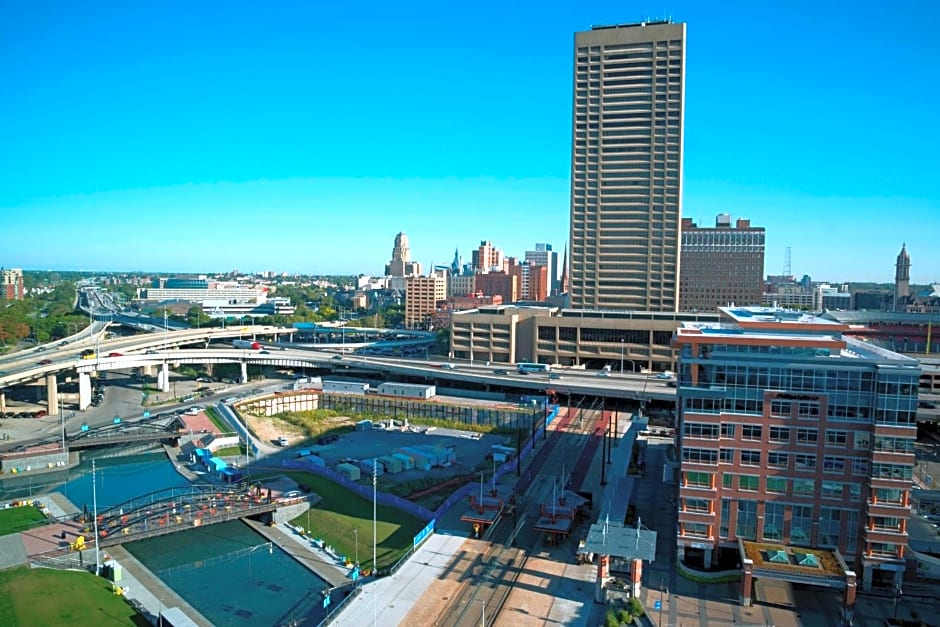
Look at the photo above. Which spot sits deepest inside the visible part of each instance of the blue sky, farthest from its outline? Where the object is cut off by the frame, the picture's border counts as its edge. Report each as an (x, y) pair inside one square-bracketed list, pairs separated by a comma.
[(301, 137)]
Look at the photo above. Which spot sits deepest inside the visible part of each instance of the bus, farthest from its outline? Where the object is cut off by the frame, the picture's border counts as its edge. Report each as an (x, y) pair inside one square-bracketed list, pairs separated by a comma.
[(525, 368)]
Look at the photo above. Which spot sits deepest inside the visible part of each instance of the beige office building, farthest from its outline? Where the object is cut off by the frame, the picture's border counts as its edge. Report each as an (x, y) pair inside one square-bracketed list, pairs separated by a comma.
[(422, 293), (626, 167)]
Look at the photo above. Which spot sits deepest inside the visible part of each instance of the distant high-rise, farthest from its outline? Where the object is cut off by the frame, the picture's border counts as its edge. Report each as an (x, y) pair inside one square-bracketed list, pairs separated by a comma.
[(401, 264), (722, 265), (422, 294), (626, 170), (487, 258), (11, 283), (543, 255), (902, 279)]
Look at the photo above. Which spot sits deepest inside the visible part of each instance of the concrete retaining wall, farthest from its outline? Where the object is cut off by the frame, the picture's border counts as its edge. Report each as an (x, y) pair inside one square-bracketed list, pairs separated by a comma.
[(282, 402), (42, 461), (287, 513)]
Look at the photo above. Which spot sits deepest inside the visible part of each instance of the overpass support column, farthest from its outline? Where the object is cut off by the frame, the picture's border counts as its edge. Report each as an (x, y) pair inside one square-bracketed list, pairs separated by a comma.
[(163, 379), (52, 394), (84, 391), (244, 372), (3, 402)]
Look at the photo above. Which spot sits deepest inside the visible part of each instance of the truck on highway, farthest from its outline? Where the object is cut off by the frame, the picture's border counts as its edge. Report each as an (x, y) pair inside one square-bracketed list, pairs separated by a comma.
[(255, 346)]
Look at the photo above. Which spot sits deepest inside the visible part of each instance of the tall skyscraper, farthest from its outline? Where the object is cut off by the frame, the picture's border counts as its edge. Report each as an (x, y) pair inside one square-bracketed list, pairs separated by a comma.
[(626, 166), (721, 266)]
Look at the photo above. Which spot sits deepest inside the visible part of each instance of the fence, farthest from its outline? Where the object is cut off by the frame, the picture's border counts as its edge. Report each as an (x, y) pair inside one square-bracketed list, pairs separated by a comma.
[(409, 408)]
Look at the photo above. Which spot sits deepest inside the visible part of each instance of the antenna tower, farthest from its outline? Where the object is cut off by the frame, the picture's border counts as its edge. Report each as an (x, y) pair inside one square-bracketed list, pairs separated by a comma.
[(787, 271)]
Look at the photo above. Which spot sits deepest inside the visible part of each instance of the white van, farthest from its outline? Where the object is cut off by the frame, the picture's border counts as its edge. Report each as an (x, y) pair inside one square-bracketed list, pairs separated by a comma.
[(282, 441)]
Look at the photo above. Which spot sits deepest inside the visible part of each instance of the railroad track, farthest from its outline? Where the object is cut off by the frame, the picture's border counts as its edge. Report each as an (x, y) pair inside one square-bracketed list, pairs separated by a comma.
[(492, 577)]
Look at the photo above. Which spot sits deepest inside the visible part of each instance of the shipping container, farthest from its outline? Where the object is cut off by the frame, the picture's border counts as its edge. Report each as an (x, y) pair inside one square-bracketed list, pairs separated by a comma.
[(349, 471)]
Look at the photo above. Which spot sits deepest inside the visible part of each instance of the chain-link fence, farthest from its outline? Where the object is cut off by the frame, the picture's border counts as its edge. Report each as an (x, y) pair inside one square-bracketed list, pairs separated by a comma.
[(400, 409)]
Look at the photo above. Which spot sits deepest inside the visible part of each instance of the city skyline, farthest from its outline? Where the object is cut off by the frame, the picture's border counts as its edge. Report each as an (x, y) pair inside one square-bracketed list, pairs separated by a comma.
[(241, 139)]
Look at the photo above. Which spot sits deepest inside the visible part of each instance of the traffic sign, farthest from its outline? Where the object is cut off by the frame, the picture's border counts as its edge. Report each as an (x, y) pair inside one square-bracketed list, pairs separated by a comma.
[(657, 605)]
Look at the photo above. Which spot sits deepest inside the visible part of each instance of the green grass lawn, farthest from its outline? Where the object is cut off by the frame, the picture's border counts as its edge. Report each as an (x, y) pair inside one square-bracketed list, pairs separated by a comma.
[(341, 513), (217, 420), (19, 519), (229, 451), (41, 596)]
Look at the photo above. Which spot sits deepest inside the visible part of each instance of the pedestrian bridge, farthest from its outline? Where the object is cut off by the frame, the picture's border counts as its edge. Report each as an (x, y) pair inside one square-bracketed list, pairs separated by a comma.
[(178, 509)]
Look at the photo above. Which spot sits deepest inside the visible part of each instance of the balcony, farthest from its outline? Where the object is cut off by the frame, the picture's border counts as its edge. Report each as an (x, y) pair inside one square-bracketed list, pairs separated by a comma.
[(891, 536)]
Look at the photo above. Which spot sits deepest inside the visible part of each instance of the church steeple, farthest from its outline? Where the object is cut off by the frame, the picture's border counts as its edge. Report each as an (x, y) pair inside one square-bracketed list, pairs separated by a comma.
[(902, 279)]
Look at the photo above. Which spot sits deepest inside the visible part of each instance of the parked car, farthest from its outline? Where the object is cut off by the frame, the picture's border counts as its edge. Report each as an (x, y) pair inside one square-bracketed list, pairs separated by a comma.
[(115, 354), (45, 362)]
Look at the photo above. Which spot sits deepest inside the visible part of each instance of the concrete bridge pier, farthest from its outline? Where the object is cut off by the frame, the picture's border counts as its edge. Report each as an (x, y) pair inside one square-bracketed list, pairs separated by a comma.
[(84, 391), (163, 378), (3, 402), (244, 372), (52, 394)]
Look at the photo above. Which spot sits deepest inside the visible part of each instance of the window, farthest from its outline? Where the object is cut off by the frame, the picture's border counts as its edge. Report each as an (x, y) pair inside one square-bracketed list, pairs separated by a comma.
[(777, 485), (747, 519), (780, 434), (724, 527), (726, 456), (832, 490), (884, 549), (887, 523), (748, 483), (830, 526), (750, 458), (727, 430), (860, 467), (892, 471), (701, 430), (836, 438), (696, 479), (697, 505), (780, 409), (889, 495), (804, 487), (834, 464), (806, 436), (751, 432), (801, 524), (804, 461), (776, 459), (700, 455), (773, 521), (727, 480), (855, 492), (699, 530), (807, 409)]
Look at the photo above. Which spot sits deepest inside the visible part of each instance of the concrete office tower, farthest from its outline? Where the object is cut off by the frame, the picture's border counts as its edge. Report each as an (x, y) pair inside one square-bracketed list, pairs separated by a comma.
[(902, 279), (793, 432), (626, 166), (543, 255), (401, 264), (722, 265), (11, 284)]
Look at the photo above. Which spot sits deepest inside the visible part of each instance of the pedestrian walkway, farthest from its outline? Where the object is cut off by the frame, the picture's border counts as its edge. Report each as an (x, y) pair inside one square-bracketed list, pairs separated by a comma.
[(388, 600)]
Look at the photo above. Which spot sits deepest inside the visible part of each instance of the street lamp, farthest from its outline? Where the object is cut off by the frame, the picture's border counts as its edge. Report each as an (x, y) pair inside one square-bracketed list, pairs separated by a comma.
[(165, 328), (483, 614), (898, 593), (621, 356), (356, 533)]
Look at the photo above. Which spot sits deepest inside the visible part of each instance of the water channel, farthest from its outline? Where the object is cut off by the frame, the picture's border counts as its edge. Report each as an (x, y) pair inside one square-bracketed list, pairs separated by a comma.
[(228, 572)]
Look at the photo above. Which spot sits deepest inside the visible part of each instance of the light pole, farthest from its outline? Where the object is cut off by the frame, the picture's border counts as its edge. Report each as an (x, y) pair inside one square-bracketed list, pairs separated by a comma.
[(621, 356), (898, 593), (483, 613), (356, 533), (165, 328)]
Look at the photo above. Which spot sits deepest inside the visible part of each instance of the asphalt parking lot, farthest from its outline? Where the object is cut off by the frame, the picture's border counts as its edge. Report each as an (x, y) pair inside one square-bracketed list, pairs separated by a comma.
[(471, 449)]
